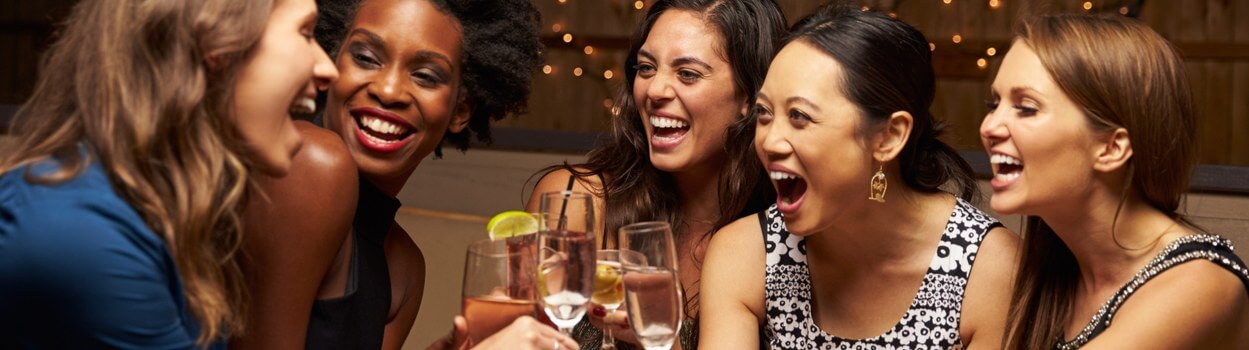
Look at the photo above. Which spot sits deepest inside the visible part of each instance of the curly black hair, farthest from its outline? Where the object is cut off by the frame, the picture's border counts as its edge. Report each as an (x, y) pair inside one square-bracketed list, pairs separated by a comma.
[(501, 52)]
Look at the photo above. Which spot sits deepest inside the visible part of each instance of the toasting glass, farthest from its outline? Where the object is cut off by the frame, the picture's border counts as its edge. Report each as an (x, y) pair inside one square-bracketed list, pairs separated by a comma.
[(652, 286)]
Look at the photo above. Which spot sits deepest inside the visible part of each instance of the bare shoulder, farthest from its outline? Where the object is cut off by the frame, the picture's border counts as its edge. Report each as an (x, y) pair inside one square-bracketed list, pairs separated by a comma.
[(735, 264), (1209, 300), (989, 287), (316, 200)]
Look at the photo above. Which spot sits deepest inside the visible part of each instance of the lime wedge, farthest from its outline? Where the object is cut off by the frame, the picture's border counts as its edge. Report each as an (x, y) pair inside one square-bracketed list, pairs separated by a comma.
[(511, 223)]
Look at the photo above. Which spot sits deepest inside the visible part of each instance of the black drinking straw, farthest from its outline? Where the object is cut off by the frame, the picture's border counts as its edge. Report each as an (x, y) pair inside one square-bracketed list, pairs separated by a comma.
[(562, 225)]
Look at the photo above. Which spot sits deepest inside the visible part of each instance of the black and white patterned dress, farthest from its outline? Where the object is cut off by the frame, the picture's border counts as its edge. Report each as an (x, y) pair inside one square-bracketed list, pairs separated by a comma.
[(932, 321)]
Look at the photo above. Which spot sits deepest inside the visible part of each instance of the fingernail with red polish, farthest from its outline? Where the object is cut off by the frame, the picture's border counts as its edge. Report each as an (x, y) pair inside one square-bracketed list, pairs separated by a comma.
[(600, 311)]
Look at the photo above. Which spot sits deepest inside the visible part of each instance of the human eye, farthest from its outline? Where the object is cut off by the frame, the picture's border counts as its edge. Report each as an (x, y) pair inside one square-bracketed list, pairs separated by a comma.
[(645, 70), (761, 114), (688, 76), (427, 77), (364, 58)]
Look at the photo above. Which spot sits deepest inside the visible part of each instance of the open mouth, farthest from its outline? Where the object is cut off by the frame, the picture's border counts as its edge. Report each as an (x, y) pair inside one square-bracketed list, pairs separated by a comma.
[(790, 189), (668, 129), (1006, 169), (382, 130), (304, 107)]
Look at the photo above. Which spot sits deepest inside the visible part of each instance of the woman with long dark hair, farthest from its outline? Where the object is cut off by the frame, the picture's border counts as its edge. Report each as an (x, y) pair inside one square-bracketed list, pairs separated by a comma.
[(120, 203), (330, 267), (863, 248), (1091, 134), (679, 148)]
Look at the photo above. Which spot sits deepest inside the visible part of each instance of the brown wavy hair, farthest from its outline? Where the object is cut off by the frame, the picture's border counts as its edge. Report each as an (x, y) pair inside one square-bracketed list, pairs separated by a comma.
[(1107, 65), (146, 87)]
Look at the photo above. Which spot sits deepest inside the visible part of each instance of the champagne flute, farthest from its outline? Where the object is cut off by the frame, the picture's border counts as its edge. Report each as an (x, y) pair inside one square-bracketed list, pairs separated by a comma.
[(566, 256), (652, 287), (609, 286), (499, 284)]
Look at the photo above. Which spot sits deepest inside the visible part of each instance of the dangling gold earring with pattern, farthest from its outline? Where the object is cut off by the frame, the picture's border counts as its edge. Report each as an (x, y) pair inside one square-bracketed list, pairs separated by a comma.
[(879, 184)]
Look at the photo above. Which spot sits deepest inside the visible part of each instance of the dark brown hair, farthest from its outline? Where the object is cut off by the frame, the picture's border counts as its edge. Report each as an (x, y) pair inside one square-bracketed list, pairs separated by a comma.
[(888, 68), (1107, 65), (170, 149), (633, 189)]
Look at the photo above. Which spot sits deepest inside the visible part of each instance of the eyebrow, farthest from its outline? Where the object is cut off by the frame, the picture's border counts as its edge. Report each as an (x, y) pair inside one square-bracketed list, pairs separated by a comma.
[(803, 101), (683, 60), (376, 40)]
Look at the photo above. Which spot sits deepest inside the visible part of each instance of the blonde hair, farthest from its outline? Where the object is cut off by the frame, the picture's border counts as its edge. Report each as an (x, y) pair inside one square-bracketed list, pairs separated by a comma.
[(146, 86)]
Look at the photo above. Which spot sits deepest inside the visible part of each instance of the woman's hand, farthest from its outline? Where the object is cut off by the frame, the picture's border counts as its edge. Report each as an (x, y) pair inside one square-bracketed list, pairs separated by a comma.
[(617, 322), (524, 333)]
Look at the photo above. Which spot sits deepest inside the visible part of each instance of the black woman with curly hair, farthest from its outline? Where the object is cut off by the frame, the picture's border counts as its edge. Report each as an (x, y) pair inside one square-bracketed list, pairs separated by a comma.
[(329, 266)]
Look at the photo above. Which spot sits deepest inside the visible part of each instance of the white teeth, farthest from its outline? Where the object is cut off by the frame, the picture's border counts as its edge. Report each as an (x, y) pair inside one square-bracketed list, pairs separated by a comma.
[(382, 126), (1006, 177), (779, 175), (1004, 159), (303, 105), (661, 122)]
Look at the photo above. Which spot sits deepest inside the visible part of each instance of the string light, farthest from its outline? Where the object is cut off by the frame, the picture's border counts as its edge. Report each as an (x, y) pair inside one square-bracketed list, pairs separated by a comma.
[(991, 51), (865, 8), (1123, 10), (995, 3), (607, 103), (588, 49), (568, 37), (893, 15), (1088, 5), (957, 38), (947, 2), (638, 4), (607, 74), (576, 71), (557, 27), (932, 47), (546, 69), (982, 63), (562, 1)]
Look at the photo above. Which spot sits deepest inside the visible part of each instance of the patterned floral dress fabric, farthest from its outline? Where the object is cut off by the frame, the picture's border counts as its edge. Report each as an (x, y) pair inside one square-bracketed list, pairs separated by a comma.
[(932, 321)]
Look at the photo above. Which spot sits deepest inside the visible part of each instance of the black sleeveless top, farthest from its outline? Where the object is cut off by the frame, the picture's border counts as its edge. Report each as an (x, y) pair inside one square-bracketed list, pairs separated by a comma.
[(357, 320), (1184, 249)]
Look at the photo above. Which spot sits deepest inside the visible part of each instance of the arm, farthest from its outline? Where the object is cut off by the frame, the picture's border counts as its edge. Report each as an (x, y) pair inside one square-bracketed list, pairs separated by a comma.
[(1195, 305), (557, 180), (987, 300), (294, 227), (733, 287), (407, 275)]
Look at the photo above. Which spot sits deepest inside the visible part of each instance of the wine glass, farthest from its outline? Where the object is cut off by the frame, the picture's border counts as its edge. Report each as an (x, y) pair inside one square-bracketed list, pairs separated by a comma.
[(499, 284), (566, 256), (652, 286), (609, 288)]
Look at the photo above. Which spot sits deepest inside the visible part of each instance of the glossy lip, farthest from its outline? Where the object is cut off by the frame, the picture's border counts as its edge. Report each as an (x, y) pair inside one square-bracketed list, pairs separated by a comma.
[(666, 145), (367, 141), (791, 208), (1001, 184)]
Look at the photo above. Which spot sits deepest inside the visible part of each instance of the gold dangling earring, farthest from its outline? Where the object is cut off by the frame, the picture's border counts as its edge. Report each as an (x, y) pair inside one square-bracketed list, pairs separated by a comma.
[(879, 184)]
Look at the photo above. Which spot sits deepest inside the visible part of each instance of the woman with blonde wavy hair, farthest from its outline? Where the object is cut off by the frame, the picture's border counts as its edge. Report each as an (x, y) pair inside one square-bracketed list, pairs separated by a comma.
[(119, 204)]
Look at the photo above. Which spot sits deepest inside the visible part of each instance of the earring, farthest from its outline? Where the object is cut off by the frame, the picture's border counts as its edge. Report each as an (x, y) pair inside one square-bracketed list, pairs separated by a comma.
[(879, 184)]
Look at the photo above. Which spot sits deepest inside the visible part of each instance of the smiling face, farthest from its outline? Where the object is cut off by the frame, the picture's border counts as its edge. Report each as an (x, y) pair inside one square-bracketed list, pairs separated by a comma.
[(278, 79), (399, 91), (685, 93), (1040, 144), (809, 137)]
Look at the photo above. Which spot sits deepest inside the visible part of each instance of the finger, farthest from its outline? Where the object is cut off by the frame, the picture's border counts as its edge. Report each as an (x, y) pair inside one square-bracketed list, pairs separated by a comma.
[(460, 331)]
